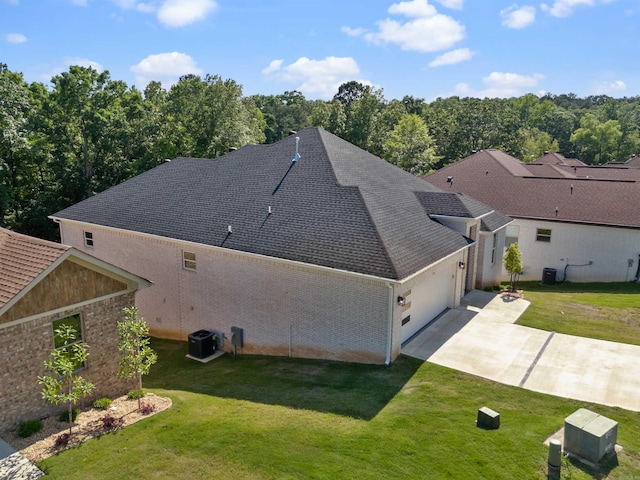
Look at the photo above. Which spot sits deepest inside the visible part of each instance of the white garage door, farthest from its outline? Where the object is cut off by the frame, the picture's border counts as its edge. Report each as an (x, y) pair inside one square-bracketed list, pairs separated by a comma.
[(428, 300)]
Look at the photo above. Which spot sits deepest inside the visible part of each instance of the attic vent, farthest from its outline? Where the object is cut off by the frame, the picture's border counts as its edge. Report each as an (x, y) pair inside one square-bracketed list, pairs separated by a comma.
[(232, 149), (229, 229), (292, 132), (297, 155), (270, 211)]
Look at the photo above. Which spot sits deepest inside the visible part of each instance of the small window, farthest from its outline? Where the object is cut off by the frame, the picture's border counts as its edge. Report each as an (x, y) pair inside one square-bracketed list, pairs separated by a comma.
[(88, 239), (494, 247), (189, 260), (60, 343), (543, 235)]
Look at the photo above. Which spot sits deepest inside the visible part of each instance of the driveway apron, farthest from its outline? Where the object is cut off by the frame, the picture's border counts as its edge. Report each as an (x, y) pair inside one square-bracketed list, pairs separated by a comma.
[(479, 338)]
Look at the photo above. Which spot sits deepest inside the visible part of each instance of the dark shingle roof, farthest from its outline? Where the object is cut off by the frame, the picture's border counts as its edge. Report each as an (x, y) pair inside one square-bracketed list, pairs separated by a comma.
[(591, 194), (338, 206)]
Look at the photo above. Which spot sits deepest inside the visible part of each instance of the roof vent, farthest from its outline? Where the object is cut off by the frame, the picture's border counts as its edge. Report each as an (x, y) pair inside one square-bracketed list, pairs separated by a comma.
[(167, 160), (292, 132), (473, 151), (572, 189), (229, 229), (270, 211), (297, 155), (232, 149)]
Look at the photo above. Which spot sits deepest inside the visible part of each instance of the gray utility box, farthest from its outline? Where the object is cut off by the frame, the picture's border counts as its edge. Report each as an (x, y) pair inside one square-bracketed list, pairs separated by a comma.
[(590, 435), (488, 419)]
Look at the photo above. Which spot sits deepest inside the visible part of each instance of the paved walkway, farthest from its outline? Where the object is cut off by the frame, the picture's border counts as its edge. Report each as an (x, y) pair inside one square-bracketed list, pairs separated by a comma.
[(479, 337), (14, 466)]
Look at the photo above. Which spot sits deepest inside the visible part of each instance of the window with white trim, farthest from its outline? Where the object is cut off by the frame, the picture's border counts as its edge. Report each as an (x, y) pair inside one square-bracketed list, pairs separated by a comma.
[(188, 260), (543, 235), (60, 343), (88, 239)]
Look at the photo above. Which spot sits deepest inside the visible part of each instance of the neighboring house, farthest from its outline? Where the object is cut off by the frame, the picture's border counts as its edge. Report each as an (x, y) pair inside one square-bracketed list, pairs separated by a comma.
[(580, 220), (43, 285), (317, 251)]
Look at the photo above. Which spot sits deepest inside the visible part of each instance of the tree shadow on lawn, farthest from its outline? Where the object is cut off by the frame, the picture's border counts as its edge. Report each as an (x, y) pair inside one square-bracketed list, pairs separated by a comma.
[(349, 389)]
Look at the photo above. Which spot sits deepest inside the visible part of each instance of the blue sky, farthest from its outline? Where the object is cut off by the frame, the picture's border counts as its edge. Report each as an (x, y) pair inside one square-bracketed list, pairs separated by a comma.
[(424, 48)]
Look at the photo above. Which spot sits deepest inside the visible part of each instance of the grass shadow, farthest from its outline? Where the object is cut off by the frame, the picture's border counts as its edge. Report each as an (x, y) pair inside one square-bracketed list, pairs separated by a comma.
[(353, 390)]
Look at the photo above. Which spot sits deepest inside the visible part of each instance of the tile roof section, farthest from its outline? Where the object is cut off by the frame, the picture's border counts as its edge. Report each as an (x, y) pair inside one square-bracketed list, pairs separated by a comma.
[(596, 195), (338, 206), (22, 260)]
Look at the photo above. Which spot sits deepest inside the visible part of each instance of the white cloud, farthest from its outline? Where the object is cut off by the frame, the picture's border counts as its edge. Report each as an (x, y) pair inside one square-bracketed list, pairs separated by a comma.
[(319, 78), (164, 67), (452, 4), (353, 32), (68, 62), (15, 38), (273, 66), (518, 17), (83, 62), (425, 31), (564, 8), (452, 57), (501, 85), (172, 13), (414, 8), (611, 88), (178, 13)]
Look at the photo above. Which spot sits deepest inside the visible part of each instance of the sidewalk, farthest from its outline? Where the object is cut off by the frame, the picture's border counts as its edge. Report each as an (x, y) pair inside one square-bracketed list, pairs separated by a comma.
[(14, 466)]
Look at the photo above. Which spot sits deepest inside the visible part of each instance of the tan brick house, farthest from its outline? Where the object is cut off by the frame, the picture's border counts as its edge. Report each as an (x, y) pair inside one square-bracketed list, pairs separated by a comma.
[(43, 284), (311, 245)]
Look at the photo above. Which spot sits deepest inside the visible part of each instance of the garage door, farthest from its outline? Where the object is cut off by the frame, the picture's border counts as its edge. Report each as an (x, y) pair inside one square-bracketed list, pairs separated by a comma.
[(428, 299)]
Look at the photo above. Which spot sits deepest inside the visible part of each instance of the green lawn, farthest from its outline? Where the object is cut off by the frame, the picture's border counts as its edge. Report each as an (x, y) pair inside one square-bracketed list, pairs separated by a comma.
[(607, 311), (278, 418)]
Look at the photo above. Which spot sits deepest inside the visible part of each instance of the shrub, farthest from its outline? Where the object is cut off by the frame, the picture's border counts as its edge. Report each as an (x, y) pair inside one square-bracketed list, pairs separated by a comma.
[(109, 422), (63, 439), (29, 427), (64, 416), (135, 394), (102, 403), (147, 409)]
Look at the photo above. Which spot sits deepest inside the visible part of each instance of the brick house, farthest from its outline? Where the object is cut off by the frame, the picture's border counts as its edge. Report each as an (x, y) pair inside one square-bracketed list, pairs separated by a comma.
[(44, 284), (581, 221), (314, 247)]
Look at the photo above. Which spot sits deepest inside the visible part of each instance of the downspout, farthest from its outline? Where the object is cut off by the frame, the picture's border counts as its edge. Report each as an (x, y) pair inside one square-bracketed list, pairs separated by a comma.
[(389, 325)]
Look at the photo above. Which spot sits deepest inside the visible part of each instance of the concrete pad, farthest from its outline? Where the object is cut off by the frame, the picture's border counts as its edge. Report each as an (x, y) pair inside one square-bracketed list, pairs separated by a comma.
[(480, 338), (492, 351), (597, 371), (15, 466)]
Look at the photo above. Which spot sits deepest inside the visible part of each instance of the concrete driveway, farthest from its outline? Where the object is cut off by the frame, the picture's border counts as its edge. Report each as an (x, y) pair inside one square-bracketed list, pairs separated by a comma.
[(479, 338)]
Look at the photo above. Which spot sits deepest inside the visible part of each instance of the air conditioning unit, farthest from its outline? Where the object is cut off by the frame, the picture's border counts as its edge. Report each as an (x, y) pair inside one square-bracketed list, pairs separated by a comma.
[(590, 435)]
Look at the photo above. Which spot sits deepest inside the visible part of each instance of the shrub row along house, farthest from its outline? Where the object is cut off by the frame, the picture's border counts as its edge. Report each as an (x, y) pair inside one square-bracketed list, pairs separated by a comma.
[(579, 222), (312, 246), (42, 286)]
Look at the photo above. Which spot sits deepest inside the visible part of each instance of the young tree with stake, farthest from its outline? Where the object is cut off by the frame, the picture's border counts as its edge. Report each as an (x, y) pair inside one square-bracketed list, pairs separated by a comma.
[(138, 356), (63, 384)]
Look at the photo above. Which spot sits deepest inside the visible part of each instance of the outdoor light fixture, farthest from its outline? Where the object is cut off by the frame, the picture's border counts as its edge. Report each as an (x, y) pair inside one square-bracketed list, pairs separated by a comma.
[(401, 301), (461, 265)]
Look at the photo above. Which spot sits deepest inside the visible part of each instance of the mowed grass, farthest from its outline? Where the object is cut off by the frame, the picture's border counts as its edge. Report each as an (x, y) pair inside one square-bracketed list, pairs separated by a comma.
[(252, 417), (606, 311)]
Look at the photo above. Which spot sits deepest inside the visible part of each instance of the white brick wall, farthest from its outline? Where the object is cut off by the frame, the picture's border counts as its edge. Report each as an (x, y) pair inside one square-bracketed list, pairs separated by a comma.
[(283, 307)]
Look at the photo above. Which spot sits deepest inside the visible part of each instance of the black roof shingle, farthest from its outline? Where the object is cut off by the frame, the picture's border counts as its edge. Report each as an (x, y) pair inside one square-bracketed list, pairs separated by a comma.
[(338, 206)]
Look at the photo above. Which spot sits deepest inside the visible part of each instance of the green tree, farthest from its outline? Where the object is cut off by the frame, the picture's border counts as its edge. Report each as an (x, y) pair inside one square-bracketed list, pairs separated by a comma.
[(597, 141), (536, 143), (513, 265), (410, 146), (63, 384), (138, 356)]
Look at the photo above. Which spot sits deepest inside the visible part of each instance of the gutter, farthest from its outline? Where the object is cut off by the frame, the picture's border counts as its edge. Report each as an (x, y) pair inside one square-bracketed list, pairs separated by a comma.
[(387, 360)]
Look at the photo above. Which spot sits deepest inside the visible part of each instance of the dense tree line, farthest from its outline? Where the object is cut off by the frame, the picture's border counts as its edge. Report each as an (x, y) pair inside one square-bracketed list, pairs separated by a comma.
[(86, 132)]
